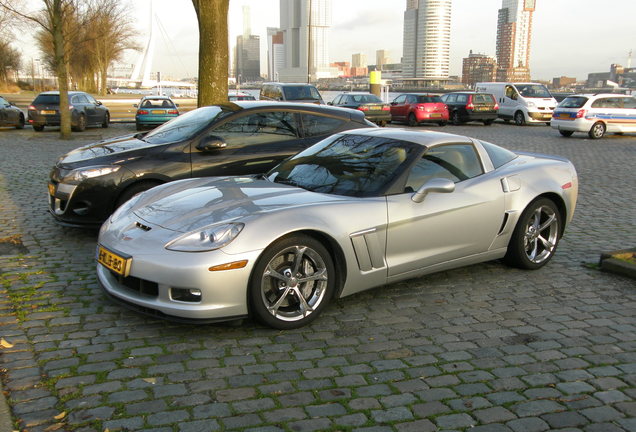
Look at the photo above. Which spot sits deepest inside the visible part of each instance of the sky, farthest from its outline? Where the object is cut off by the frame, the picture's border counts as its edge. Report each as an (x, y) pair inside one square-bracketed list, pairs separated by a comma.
[(570, 37)]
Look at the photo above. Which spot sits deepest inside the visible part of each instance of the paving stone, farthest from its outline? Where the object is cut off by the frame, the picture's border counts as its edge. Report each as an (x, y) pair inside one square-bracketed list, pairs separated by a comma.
[(565, 419), (455, 421), (601, 414), (536, 408), (528, 424), (493, 415)]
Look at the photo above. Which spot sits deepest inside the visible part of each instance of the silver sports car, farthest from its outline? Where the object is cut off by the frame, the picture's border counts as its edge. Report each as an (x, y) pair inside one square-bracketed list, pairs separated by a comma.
[(355, 211)]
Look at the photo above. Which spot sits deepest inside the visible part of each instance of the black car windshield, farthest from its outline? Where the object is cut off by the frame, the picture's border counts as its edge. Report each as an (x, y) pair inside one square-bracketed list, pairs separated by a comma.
[(349, 165), (533, 90), (301, 92), (185, 126)]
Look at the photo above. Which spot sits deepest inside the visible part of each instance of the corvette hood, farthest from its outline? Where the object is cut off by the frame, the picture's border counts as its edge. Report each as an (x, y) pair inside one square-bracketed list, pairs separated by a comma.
[(191, 204), (119, 147)]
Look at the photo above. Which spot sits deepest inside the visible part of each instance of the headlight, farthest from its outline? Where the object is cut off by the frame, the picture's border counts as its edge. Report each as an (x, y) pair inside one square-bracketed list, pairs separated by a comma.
[(206, 239), (531, 104), (81, 174)]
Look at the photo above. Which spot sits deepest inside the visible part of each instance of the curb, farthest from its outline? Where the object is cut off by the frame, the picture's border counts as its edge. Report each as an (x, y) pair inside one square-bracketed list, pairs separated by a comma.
[(5, 414), (610, 263)]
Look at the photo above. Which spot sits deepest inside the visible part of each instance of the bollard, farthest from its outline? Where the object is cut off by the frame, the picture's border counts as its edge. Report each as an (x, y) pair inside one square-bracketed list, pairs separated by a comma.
[(375, 83)]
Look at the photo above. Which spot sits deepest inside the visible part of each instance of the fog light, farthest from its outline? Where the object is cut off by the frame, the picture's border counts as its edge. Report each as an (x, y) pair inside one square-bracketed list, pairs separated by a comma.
[(191, 295)]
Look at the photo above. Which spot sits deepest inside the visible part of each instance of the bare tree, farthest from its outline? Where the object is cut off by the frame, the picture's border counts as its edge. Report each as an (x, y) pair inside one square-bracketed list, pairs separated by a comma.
[(9, 61), (213, 50), (54, 18)]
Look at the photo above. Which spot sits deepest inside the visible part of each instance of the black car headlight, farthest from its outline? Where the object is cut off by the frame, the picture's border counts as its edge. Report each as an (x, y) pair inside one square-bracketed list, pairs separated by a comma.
[(81, 174)]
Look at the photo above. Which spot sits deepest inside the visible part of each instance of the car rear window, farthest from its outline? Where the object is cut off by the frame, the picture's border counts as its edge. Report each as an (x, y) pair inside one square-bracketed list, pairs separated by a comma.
[(47, 99), (429, 99), (483, 99), (301, 93), (573, 102)]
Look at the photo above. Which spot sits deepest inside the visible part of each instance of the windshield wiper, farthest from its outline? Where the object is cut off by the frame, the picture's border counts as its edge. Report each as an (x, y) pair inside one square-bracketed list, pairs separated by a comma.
[(289, 182)]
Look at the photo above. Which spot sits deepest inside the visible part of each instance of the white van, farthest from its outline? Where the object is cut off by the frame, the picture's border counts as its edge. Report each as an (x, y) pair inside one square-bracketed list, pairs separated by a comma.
[(521, 102)]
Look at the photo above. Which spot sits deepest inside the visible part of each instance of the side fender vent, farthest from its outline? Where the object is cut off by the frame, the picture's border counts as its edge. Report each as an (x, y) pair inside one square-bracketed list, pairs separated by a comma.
[(142, 226)]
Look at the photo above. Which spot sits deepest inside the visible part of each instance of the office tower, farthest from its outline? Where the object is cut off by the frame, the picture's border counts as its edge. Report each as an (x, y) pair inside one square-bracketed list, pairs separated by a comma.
[(305, 25), (275, 53), (514, 31), (381, 59), (478, 68), (426, 43), (359, 60), (248, 52)]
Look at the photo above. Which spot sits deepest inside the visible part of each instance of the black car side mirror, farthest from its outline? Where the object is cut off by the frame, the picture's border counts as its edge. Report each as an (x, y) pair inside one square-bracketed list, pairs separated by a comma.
[(439, 185), (211, 143), (98, 102)]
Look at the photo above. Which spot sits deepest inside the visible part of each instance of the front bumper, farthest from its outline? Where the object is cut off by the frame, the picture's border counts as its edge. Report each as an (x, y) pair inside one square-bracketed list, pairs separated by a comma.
[(540, 116)]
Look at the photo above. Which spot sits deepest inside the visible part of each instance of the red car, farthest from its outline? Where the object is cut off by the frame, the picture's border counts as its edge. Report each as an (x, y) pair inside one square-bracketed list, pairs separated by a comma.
[(416, 108)]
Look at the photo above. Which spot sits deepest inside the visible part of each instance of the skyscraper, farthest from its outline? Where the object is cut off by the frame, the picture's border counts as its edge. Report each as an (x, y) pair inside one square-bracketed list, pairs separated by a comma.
[(248, 52), (478, 68), (305, 25), (426, 43), (275, 53), (514, 31)]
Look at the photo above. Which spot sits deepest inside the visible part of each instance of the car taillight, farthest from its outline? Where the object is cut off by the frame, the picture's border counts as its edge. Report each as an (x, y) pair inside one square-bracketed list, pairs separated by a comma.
[(70, 107), (581, 113), (386, 108), (142, 112), (363, 108), (31, 107), (470, 106), (173, 112), (496, 106)]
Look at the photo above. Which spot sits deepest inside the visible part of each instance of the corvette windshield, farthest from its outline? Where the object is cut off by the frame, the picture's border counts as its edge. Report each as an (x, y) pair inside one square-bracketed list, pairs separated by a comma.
[(350, 165), (185, 126)]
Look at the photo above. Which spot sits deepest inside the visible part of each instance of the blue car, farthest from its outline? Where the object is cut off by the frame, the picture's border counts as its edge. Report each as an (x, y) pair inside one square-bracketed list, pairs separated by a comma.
[(154, 110)]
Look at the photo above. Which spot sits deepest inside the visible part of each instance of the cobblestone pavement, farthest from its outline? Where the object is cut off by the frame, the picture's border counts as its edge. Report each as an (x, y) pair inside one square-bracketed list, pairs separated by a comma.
[(484, 348)]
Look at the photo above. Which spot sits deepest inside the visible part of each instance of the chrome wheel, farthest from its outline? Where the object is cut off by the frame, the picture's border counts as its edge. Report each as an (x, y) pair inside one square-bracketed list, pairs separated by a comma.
[(293, 283), (536, 235), (541, 235)]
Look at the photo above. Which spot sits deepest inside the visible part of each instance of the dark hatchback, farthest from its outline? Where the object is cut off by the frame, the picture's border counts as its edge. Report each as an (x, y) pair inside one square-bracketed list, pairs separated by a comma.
[(10, 115), (470, 106), (373, 107), (85, 111), (241, 138)]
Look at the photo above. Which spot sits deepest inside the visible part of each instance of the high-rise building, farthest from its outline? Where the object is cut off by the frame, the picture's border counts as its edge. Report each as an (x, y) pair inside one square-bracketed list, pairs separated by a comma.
[(478, 68), (305, 25), (514, 32), (275, 53), (381, 59), (426, 43), (248, 52), (359, 60)]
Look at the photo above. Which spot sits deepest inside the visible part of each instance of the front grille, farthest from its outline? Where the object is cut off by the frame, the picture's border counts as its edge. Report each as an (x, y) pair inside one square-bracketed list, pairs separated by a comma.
[(139, 286)]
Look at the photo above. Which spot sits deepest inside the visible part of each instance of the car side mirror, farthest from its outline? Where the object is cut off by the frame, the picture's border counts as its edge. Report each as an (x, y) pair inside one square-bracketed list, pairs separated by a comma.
[(393, 103), (136, 105), (211, 143), (329, 103), (98, 102), (177, 105), (435, 185)]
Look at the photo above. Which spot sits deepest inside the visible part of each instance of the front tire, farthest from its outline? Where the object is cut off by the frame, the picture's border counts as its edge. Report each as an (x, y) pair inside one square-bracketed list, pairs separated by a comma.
[(566, 133), (412, 121), (536, 236), (106, 120), (21, 122), (520, 119), (292, 282), (597, 131)]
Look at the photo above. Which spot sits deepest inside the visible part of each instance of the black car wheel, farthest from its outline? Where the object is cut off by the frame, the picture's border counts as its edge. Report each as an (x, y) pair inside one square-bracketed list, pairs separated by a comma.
[(455, 118), (81, 123), (292, 282), (536, 236), (597, 131), (488, 122), (20, 124), (106, 120), (412, 120), (520, 119), (566, 133), (38, 128), (442, 123)]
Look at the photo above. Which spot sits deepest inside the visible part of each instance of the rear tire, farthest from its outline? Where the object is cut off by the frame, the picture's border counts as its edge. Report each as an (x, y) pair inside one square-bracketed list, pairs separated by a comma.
[(597, 131), (455, 118), (81, 124), (412, 121), (566, 133), (38, 128), (443, 123), (488, 122), (520, 119), (535, 238)]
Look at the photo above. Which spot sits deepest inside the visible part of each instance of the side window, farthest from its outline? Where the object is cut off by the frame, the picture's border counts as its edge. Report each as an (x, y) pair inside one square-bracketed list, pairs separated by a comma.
[(410, 99), (400, 99), (451, 98), (3, 102), (91, 99), (456, 162), (314, 125), (82, 99), (462, 98), (603, 103), (257, 128), (337, 100), (629, 103)]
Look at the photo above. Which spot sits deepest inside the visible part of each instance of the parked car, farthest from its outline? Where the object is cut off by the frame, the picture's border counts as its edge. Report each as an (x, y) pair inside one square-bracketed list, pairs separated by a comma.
[(521, 102), (373, 107), (235, 95), (416, 108), (290, 92), (85, 111), (595, 114), (360, 209), (154, 110), (238, 138), (471, 106), (10, 115)]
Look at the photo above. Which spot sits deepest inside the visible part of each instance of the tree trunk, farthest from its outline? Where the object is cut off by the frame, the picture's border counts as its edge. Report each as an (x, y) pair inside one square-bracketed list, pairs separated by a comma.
[(61, 67), (213, 50)]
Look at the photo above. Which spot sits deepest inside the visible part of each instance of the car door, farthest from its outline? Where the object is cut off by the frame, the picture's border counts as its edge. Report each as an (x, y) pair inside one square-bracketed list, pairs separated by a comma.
[(398, 108), (4, 111), (99, 111), (445, 226), (247, 143), (508, 103), (628, 123)]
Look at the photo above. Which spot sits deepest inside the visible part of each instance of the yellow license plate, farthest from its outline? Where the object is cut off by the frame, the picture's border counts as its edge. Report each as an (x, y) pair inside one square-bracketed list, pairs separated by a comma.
[(51, 189), (436, 115), (115, 262), (47, 112), (159, 112)]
